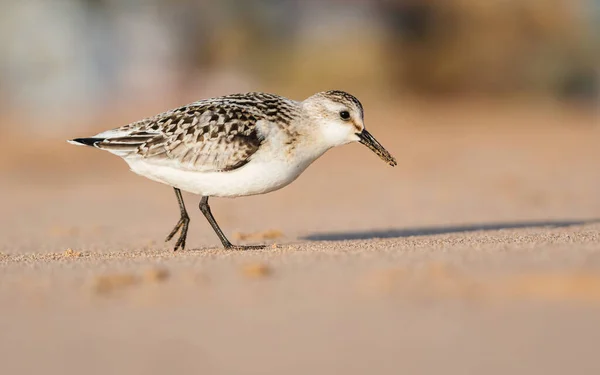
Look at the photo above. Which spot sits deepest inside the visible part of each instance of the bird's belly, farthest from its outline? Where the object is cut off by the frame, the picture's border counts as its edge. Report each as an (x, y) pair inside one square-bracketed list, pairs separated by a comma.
[(256, 177)]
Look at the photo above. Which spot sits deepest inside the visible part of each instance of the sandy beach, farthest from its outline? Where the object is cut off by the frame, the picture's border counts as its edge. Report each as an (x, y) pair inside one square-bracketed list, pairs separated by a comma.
[(478, 253)]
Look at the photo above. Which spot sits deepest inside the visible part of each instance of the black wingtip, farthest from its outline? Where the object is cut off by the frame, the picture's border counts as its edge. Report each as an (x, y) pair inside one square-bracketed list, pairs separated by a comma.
[(86, 141)]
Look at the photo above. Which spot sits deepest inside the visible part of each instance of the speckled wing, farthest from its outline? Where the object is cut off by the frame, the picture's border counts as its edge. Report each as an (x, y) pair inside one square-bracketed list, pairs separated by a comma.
[(205, 136)]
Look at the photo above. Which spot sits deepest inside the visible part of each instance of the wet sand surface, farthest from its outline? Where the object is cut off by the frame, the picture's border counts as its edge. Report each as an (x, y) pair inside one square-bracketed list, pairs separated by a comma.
[(479, 253)]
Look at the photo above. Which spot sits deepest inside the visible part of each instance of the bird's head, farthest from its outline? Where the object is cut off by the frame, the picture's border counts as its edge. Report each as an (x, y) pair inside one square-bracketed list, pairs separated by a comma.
[(340, 120)]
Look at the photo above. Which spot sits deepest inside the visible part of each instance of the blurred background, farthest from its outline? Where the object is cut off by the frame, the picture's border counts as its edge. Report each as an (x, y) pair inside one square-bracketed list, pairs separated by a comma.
[(502, 96), (69, 61)]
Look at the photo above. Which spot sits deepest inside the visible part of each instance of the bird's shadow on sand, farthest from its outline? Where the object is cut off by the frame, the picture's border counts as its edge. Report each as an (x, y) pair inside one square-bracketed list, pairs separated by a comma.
[(429, 231)]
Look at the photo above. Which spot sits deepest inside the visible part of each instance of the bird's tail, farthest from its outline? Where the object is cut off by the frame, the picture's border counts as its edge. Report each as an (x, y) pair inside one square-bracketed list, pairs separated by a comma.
[(85, 141)]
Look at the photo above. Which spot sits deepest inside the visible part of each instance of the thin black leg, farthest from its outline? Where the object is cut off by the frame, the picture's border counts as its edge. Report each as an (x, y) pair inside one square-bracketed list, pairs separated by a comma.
[(205, 208), (182, 224)]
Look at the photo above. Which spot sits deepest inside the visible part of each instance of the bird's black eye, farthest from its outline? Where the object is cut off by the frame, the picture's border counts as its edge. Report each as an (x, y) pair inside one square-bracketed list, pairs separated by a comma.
[(345, 115)]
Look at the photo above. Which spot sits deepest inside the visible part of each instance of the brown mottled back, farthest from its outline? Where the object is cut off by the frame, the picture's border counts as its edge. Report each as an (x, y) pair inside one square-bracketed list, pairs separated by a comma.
[(218, 134)]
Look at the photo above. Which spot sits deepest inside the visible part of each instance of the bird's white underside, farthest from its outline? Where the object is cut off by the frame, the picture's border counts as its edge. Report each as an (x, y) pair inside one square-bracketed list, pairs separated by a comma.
[(256, 177)]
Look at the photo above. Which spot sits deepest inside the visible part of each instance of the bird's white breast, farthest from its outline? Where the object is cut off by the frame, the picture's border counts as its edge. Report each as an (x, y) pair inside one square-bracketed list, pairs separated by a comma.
[(256, 177)]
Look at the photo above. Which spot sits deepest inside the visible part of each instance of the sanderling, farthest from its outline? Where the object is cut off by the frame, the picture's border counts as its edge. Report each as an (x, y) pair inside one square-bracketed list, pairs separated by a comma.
[(236, 145)]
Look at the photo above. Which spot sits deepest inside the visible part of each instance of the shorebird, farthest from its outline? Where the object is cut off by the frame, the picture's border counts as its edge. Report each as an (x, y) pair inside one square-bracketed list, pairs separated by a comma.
[(236, 145)]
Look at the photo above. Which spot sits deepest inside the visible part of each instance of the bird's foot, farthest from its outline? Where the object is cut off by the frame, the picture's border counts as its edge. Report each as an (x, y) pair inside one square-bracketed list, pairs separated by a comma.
[(244, 247), (182, 224)]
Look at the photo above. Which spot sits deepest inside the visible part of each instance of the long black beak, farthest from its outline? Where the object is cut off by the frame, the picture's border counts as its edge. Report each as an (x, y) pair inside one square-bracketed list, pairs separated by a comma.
[(368, 140)]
